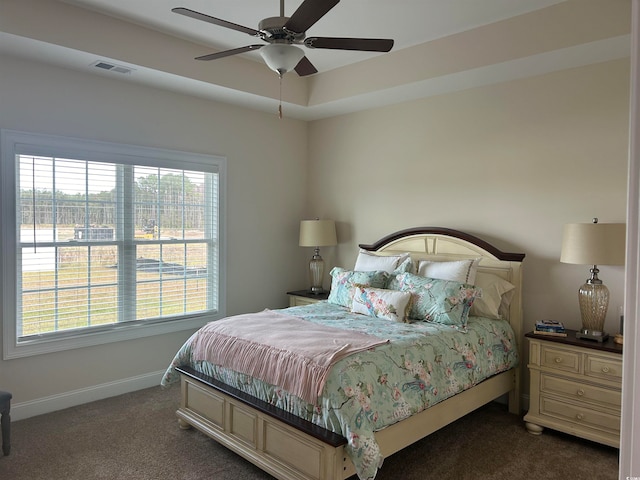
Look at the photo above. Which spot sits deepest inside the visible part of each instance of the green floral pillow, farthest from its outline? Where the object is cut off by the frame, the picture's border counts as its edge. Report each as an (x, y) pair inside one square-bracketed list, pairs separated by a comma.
[(381, 303), (344, 281), (405, 266), (439, 301)]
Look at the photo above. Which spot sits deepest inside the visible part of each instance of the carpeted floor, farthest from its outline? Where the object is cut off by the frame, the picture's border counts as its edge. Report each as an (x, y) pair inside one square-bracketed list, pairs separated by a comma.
[(136, 436)]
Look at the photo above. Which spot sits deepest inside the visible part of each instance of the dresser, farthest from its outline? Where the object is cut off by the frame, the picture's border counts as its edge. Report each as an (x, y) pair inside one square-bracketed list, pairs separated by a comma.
[(305, 297), (575, 387)]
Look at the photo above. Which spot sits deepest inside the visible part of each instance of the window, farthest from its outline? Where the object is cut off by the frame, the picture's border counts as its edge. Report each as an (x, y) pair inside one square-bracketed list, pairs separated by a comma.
[(104, 242)]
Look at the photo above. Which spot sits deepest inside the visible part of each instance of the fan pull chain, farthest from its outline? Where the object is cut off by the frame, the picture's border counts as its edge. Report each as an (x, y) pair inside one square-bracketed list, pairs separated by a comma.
[(280, 104)]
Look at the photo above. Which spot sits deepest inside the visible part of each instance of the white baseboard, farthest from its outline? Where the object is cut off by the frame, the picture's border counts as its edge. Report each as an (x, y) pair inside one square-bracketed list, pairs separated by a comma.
[(20, 411)]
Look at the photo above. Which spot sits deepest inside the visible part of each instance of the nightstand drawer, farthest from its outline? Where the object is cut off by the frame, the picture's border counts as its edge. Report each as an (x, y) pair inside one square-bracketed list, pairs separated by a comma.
[(560, 359), (581, 391), (299, 301), (601, 367), (580, 415), (305, 297)]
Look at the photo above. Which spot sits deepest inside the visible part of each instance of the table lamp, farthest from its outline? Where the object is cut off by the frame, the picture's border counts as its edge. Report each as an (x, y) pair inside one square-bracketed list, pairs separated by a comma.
[(317, 233), (593, 244)]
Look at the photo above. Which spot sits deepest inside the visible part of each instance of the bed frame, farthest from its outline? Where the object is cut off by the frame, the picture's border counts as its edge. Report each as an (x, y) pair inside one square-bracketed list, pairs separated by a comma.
[(293, 449)]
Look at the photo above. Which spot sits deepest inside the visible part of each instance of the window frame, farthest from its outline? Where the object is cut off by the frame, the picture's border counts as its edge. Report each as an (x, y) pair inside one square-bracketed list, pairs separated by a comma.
[(13, 143)]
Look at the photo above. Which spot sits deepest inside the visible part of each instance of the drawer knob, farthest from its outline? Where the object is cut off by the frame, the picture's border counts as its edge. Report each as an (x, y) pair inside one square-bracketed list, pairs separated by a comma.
[(558, 360), (605, 369), (580, 416), (580, 392)]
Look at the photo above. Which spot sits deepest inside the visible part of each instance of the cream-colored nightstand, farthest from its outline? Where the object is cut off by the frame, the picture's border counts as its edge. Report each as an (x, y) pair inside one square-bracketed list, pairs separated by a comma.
[(575, 387), (305, 297)]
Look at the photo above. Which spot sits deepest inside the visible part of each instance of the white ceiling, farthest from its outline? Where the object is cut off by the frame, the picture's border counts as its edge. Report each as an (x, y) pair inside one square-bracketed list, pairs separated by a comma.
[(440, 46), (407, 22)]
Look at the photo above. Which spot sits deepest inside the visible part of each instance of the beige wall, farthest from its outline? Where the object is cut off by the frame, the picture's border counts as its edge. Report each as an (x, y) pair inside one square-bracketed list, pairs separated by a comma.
[(510, 163), (263, 154)]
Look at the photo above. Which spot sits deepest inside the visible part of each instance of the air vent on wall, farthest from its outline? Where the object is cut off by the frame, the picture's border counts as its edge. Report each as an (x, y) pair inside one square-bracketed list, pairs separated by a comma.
[(111, 67)]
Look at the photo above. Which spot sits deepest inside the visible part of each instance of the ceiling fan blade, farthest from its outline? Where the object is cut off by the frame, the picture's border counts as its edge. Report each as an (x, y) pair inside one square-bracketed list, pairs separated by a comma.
[(216, 21), (305, 67), (308, 13), (337, 43), (228, 53)]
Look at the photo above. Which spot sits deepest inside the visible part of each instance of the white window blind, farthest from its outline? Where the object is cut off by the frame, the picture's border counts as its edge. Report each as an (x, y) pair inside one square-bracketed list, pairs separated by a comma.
[(105, 239)]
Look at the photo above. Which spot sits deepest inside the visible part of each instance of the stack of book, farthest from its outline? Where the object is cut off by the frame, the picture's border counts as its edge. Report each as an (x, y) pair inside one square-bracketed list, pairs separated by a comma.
[(550, 327)]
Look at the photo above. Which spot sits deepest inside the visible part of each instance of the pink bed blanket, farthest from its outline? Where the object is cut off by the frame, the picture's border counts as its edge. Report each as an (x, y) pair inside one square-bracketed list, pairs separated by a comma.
[(280, 349)]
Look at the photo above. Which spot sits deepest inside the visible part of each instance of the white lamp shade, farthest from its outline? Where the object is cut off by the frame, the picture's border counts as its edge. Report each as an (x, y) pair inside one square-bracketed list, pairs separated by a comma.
[(281, 57), (317, 233), (593, 243)]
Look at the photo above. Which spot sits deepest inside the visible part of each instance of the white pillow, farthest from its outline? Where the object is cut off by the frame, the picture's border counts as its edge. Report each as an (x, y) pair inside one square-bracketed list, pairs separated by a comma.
[(496, 296), (463, 271), (381, 303), (371, 262)]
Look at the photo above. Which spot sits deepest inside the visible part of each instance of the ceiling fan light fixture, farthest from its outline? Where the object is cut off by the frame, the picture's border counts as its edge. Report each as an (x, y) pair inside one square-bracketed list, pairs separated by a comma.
[(282, 34), (281, 57)]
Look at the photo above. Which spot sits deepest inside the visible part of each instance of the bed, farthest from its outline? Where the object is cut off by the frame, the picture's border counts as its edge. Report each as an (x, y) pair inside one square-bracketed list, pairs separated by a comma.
[(365, 413)]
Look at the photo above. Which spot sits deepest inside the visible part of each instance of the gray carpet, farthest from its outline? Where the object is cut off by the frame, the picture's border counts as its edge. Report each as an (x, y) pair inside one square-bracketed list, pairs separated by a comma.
[(136, 436)]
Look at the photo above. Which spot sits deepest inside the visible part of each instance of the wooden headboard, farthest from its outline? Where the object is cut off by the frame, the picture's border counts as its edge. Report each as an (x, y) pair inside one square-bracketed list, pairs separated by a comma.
[(437, 243)]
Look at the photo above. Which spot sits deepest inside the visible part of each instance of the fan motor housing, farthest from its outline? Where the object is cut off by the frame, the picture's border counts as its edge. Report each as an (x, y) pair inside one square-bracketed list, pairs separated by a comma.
[(274, 30)]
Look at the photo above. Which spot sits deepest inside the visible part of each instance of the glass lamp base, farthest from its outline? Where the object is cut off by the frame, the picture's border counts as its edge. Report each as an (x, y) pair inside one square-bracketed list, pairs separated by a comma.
[(316, 273), (594, 301)]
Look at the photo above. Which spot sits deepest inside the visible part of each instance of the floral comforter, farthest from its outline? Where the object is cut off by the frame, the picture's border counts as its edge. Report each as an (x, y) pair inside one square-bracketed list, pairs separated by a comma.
[(423, 364)]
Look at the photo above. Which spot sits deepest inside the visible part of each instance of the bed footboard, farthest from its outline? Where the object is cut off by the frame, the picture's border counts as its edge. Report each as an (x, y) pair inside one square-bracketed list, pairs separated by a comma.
[(290, 448), (285, 447)]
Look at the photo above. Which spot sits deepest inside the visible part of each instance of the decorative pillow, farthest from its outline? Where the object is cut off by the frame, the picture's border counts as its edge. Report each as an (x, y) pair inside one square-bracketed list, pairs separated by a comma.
[(369, 261), (343, 282), (405, 266), (439, 301), (496, 293), (381, 303), (463, 271)]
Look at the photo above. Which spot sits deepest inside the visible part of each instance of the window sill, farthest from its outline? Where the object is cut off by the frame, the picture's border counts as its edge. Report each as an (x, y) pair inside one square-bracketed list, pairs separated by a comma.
[(43, 345)]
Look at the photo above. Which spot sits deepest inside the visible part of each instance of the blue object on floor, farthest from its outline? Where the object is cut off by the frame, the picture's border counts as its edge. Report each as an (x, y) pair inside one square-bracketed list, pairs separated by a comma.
[(5, 421)]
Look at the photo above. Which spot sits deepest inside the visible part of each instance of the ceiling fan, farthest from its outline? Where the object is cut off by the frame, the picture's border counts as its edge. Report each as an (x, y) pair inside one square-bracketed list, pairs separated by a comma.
[(282, 34)]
